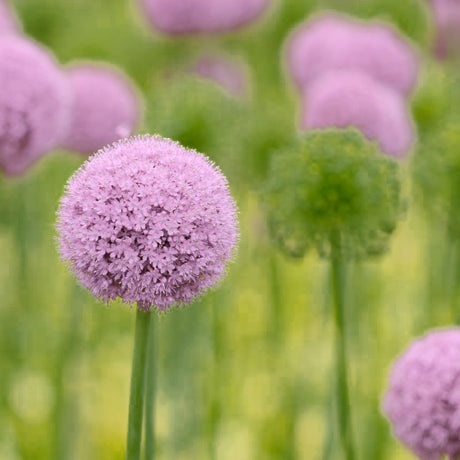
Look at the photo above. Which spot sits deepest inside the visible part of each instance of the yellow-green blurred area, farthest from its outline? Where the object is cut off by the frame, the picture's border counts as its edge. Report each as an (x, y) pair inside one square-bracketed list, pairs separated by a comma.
[(248, 370)]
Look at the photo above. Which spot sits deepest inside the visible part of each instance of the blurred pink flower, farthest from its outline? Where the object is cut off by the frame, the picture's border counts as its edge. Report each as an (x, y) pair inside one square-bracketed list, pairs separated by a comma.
[(148, 221), (341, 99), (224, 71), (8, 21), (338, 43), (201, 16), (447, 19), (34, 103), (105, 108), (423, 396)]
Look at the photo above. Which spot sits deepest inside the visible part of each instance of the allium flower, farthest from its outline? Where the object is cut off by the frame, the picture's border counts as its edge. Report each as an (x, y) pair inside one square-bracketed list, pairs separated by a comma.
[(105, 108), (423, 396), (148, 221), (34, 103), (201, 16), (225, 72), (8, 22), (447, 19), (332, 182), (342, 99), (337, 43)]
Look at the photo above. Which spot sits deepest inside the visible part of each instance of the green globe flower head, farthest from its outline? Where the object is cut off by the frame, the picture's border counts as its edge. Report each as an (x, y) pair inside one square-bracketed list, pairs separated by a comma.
[(332, 187)]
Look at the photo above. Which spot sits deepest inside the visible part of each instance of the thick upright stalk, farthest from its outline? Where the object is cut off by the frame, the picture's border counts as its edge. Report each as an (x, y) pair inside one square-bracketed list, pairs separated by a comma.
[(150, 391), (136, 398), (214, 409), (343, 398)]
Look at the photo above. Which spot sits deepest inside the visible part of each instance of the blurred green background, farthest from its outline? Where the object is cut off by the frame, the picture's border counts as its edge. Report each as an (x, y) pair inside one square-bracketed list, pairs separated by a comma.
[(245, 373)]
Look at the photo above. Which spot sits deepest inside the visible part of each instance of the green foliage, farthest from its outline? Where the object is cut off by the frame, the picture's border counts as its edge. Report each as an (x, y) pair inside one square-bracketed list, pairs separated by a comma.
[(331, 183), (435, 98), (437, 175)]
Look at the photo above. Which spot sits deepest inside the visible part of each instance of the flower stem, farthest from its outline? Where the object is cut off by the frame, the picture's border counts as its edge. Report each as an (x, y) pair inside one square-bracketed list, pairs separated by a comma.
[(136, 398), (150, 391), (343, 398)]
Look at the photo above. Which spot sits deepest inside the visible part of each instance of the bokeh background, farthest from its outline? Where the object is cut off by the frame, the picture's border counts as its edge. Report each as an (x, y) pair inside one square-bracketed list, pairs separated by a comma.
[(245, 373)]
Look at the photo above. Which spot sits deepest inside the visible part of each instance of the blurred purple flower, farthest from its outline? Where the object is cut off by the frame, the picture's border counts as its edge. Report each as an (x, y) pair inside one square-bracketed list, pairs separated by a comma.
[(224, 71), (8, 21), (201, 16), (447, 18), (337, 43), (105, 108), (423, 396), (34, 103), (342, 99), (148, 221)]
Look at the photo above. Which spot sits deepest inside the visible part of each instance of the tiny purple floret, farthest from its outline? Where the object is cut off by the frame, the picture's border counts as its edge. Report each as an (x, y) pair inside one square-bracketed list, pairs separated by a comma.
[(423, 397), (148, 221), (353, 99), (105, 108), (34, 103), (179, 17)]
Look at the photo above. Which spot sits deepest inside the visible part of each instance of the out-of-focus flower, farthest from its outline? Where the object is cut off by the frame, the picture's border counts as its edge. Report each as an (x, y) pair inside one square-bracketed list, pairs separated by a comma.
[(337, 43), (105, 108), (328, 184), (201, 16), (342, 99), (8, 21), (447, 19), (148, 221), (229, 74), (423, 396), (34, 103)]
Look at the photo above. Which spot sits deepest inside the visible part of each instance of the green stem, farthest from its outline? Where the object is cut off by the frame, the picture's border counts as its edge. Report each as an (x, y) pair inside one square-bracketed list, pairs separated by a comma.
[(214, 415), (150, 383), (136, 398), (343, 398)]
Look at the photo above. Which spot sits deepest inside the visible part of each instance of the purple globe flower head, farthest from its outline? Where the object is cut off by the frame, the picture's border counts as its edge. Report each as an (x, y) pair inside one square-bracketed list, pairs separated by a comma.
[(333, 42), (148, 221), (227, 73), (423, 397), (105, 108), (8, 21), (178, 17), (447, 18), (353, 99), (34, 103)]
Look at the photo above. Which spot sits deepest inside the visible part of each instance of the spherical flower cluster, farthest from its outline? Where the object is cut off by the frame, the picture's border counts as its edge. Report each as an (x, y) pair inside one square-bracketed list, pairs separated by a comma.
[(423, 397), (34, 103), (105, 108), (447, 19), (8, 22), (225, 72), (201, 16), (337, 43), (343, 99), (332, 184), (148, 221)]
